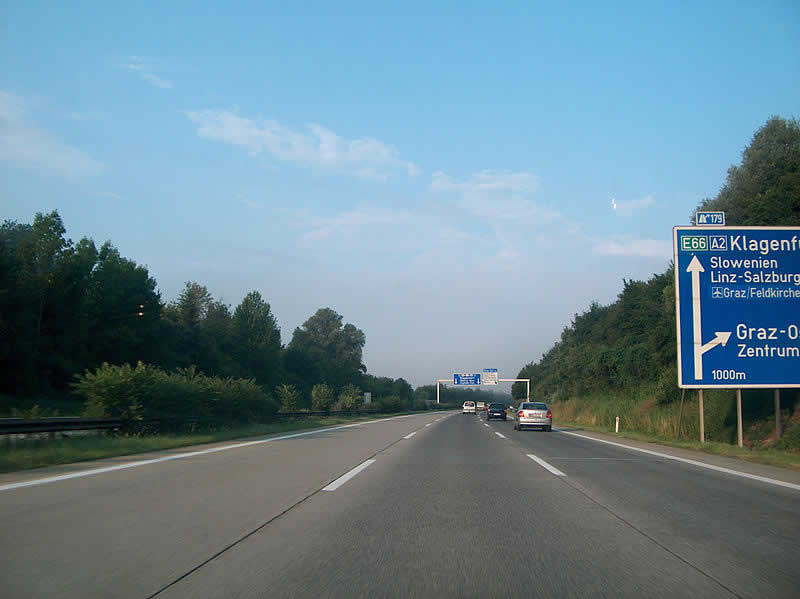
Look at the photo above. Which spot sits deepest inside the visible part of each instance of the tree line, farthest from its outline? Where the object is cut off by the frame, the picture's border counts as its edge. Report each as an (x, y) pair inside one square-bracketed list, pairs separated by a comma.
[(67, 308), (631, 343)]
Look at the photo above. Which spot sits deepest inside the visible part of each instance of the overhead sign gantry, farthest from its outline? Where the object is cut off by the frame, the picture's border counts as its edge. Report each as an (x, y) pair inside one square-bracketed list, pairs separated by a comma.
[(489, 376)]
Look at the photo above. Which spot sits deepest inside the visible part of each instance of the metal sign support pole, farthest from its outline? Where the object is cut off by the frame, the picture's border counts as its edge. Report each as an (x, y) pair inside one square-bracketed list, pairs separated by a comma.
[(527, 384), (702, 423), (437, 387), (739, 416), (778, 431)]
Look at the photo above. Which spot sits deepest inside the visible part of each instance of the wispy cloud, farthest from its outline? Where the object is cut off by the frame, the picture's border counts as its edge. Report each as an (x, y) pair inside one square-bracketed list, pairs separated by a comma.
[(642, 248), (365, 157), (352, 223), (109, 195), (145, 70), (499, 195), (87, 115), (25, 144), (631, 206), (503, 200), (487, 181)]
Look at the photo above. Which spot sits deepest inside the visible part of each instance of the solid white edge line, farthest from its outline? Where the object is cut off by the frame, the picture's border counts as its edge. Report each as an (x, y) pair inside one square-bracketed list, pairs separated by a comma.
[(345, 477), (430, 423), (179, 456), (762, 479), (544, 464), (409, 435), (500, 434)]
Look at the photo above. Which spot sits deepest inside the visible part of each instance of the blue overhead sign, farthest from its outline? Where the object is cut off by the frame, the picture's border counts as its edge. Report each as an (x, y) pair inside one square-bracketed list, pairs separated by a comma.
[(467, 379), (737, 292)]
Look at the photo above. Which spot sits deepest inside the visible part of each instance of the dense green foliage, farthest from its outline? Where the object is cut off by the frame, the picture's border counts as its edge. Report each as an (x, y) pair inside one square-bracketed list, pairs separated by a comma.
[(149, 399), (68, 308), (765, 189), (628, 348)]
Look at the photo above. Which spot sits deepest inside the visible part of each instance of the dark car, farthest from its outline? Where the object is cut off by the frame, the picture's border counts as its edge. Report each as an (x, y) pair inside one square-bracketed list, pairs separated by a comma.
[(496, 410)]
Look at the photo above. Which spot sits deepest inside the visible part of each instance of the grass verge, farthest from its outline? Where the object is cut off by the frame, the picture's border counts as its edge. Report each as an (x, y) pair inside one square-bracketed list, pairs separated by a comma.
[(45, 452), (769, 457)]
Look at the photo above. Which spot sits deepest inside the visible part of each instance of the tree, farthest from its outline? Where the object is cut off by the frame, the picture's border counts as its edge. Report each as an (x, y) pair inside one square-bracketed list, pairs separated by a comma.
[(765, 188), (336, 349), (40, 254), (193, 304), (322, 397), (123, 311), (258, 338)]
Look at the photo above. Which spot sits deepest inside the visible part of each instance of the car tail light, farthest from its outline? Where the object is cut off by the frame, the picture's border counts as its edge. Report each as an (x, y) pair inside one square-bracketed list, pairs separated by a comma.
[(549, 414), (521, 414)]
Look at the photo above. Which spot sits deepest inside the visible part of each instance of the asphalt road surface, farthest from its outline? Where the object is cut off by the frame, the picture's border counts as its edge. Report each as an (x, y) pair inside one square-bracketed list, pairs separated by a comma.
[(442, 505)]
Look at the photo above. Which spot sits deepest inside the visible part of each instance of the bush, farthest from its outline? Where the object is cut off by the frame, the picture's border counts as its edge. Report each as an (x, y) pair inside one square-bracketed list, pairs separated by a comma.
[(289, 398), (148, 399), (321, 397), (349, 397), (791, 438), (391, 404)]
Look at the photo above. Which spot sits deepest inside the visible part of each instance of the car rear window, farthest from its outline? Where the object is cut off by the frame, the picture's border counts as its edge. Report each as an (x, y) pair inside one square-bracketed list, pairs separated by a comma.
[(469, 404), (498, 406), (533, 406)]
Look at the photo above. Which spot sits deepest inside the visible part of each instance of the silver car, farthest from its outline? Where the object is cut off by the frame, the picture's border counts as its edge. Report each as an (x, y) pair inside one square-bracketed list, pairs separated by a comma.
[(533, 414)]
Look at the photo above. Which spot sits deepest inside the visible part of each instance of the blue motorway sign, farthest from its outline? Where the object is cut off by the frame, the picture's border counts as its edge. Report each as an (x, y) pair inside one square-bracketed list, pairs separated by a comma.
[(737, 291), (467, 379)]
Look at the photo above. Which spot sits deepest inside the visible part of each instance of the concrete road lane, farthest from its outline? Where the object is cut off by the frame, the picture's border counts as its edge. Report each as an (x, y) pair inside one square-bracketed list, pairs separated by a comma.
[(456, 511), (127, 533), (735, 529)]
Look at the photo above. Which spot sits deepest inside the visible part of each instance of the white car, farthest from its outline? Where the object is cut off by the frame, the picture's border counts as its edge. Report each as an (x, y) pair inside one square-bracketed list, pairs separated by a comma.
[(468, 407)]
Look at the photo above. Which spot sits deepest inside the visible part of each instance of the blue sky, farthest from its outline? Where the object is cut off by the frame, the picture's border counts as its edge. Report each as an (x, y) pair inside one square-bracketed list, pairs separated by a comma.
[(440, 176)]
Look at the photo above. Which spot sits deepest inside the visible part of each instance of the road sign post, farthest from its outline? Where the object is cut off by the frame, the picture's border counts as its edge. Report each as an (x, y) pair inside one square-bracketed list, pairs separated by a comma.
[(737, 304), (527, 385)]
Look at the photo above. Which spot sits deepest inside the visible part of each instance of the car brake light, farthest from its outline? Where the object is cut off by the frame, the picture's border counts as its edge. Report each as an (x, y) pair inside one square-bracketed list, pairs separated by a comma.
[(549, 414), (521, 414)]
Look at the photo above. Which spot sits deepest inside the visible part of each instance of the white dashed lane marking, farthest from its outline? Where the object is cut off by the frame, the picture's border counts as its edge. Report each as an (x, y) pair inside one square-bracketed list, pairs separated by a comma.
[(545, 465), (345, 477)]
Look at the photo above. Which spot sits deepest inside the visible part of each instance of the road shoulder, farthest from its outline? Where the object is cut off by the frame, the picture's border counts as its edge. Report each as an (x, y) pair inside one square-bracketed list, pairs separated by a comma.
[(731, 463)]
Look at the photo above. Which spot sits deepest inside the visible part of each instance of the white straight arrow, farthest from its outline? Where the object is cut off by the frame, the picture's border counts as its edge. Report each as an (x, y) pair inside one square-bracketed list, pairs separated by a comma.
[(696, 268)]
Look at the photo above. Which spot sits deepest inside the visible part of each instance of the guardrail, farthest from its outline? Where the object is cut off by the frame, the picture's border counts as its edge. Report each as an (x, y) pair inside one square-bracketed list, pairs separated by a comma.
[(21, 426), (321, 413)]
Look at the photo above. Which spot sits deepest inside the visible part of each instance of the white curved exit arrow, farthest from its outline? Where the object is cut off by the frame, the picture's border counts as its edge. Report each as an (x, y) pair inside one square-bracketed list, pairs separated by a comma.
[(720, 339)]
